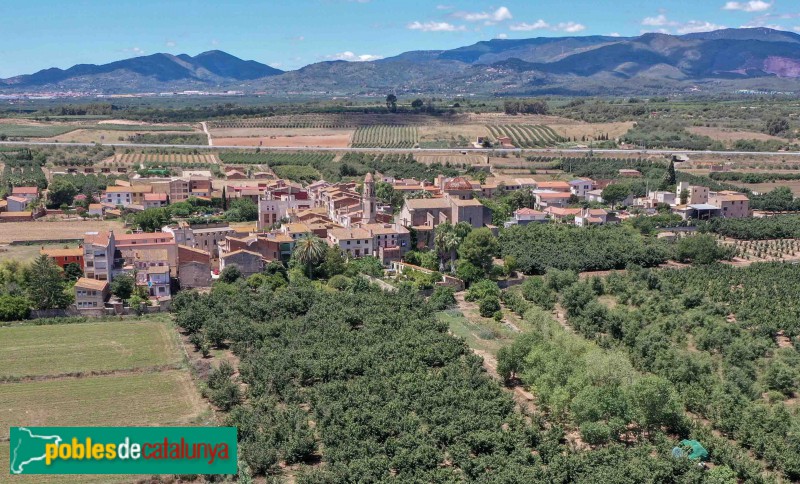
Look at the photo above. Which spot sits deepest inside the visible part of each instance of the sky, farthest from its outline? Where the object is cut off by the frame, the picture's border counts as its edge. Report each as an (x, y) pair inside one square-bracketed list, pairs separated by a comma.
[(37, 34)]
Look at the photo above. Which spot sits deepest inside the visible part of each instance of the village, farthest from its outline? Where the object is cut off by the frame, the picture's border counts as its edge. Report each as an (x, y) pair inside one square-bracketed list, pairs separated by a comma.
[(191, 253)]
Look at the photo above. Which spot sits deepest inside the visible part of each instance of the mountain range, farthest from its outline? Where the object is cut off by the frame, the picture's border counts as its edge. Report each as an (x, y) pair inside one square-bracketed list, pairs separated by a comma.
[(729, 59)]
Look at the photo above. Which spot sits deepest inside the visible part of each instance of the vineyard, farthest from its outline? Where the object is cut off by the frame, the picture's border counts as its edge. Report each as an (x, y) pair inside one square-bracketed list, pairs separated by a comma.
[(527, 136), (385, 137), (766, 250), (144, 158), (276, 158), (327, 121)]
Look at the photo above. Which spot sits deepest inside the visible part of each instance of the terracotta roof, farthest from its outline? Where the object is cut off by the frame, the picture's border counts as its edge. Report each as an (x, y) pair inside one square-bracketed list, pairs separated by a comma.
[(86, 283), (553, 196), (18, 199), (466, 203), (193, 249), (427, 203), (553, 184), (155, 197), (26, 213), (144, 236), (562, 212), (458, 183), (96, 238), (95, 206), (75, 252), (528, 211), (25, 190)]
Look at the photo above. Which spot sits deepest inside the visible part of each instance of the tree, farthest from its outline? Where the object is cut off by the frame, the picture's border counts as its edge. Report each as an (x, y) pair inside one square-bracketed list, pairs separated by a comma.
[(309, 251), (478, 248), (669, 176), (615, 193), (391, 102), (45, 284), (123, 286), (489, 306), (14, 308), (242, 210), (73, 271), (417, 103), (152, 219), (443, 297), (230, 274), (655, 403), (777, 126), (702, 249), (61, 192)]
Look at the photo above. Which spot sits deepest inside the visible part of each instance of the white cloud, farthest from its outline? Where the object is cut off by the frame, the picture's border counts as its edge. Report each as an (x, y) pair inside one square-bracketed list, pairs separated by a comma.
[(444, 7), (170, 43), (214, 42), (134, 51), (750, 6), (526, 27), (665, 25), (435, 27), (657, 21), (796, 29), (501, 36), (694, 26), (500, 15), (351, 57), (569, 27), (614, 34)]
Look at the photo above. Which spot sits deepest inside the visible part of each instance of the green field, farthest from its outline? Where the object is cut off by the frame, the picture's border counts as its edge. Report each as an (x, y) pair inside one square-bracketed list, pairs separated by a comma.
[(34, 131), (45, 479), (141, 399), (527, 136), (385, 137), (62, 349)]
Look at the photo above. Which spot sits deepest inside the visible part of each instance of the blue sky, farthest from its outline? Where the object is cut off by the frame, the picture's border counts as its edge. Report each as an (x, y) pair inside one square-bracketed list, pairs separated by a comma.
[(36, 34)]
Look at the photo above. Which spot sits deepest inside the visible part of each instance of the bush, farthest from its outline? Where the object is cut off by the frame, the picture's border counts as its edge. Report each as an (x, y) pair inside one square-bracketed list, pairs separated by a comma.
[(702, 249), (442, 298), (339, 282), (537, 292), (481, 290), (595, 433), (14, 308), (488, 306)]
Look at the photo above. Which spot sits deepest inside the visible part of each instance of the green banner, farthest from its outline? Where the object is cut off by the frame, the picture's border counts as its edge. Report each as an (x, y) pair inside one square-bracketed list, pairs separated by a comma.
[(123, 450)]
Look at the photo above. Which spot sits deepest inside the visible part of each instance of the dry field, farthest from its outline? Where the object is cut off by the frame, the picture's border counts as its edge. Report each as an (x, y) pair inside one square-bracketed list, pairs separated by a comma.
[(794, 186), (44, 230), (500, 118), (730, 135), (105, 136), (452, 132), (27, 253), (334, 139), (579, 130)]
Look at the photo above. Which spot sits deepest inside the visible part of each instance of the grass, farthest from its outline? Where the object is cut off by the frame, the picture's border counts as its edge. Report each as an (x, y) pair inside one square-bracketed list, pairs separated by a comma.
[(56, 479), (62, 349), (477, 335), (34, 131), (44, 230), (132, 399)]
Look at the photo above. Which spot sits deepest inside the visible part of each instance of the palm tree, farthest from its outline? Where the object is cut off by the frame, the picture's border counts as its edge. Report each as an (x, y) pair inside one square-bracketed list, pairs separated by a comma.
[(310, 251)]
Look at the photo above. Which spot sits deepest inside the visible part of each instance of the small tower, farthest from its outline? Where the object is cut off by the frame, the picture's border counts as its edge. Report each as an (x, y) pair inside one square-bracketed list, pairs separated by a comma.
[(368, 199)]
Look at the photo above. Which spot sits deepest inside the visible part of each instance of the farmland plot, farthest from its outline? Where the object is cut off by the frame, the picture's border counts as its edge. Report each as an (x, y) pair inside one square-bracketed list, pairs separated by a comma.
[(527, 136), (385, 137)]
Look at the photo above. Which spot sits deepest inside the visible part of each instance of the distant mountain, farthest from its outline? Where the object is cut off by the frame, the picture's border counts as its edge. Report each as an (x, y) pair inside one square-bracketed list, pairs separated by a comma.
[(156, 71), (722, 60)]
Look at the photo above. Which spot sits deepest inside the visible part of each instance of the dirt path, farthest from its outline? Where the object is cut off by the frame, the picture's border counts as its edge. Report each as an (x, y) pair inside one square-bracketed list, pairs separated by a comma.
[(205, 130)]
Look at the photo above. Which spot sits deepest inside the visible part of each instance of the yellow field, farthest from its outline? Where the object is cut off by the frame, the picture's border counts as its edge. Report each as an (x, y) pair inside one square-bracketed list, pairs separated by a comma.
[(27, 253), (578, 131)]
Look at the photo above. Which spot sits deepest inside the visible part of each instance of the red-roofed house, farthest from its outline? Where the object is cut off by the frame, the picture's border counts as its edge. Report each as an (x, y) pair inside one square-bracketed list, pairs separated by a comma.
[(154, 200), (26, 192)]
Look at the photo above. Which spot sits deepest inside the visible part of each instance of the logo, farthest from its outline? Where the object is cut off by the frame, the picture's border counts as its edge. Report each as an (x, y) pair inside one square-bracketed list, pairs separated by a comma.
[(123, 450)]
